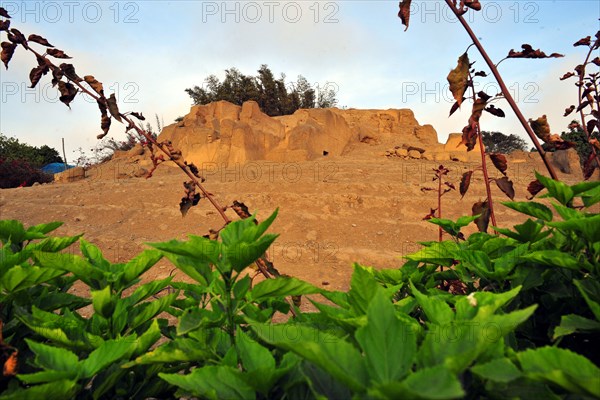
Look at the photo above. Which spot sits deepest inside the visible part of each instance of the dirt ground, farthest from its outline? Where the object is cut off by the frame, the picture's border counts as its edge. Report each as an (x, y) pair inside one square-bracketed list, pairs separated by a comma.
[(361, 207)]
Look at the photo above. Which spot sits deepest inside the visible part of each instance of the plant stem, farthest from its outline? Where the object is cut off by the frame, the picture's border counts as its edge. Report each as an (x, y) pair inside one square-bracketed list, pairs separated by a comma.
[(581, 113), (439, 175), (505, 90), (485, 175)]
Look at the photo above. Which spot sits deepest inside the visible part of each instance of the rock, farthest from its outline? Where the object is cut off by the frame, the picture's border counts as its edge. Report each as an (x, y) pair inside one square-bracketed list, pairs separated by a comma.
[(441, 156), (409, 148), (460, 157), (401, 152), (427, 156), (70, 175), (140, 172), (567, 161), (36, 184), (414, 154)]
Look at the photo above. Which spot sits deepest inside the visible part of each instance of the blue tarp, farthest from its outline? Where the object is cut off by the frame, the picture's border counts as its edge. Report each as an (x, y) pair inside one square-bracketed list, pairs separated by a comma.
[(55, 168)]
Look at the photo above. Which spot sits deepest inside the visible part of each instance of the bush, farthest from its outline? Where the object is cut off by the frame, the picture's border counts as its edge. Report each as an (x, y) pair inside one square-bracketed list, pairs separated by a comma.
[(17, 173), (494, 324)]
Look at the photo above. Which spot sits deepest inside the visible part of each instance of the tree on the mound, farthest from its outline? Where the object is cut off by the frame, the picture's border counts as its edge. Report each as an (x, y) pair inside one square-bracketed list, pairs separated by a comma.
[(577, 136), (13, 150), (498, 142), (274, 96)]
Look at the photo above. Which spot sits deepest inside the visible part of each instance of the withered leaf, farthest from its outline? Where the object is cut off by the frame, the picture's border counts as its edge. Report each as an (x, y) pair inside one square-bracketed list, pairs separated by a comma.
[(36, 74), (56, 53), (591, 125), (69, 71), (113, 107), (499, 161), (583, 105), (57, 75), (67, 92), (241, 209), (138, 116), (534, 188), (8, 49), (458, 78), (580, 69), (596, 61), (480, 73), (481, 208), (455, 107), (506, 186), (104, 125), (430, 215), (39, 40), (528, 52), (567, 76), (569, 110), (4, 13), (404, 13), (465, 182), (590, 166), (15, 36), (473, 4), (541, 128), (94, 84), (495, 111), (190, 199), (4, 25), (10, 365), (586, 41)]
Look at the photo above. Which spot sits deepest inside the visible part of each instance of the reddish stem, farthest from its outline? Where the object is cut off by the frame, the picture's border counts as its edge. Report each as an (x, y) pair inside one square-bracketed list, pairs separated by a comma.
[(504, 90), (485, 175)]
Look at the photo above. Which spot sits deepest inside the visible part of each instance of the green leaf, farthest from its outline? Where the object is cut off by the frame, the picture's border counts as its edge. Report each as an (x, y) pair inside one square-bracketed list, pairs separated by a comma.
[(589, 289), (82, 269), (12, 231), (177, 350), (138, 265), (331, 353), (213, 382), (389, 344), (531, 208), (428, 383), (64, 389), (104, 302), (94, 255), (591, 197), (453, 228), (362, 289), (46, 376), (498, 370), (242, 254), (553, 258), (108, 353), (254, 356), (53, 244), (569, 370), (436, 310), (53, 358), (281, 287), (439, 253), (556, 189), (572, 323), (202, 251), (588, 227), (20, 277), (148, 310)]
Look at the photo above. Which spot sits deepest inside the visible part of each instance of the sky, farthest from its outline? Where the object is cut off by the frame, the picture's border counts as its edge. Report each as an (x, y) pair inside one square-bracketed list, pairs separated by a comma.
[(149, 52)]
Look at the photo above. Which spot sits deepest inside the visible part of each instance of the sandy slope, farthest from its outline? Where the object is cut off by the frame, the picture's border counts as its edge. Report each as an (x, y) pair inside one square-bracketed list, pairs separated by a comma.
[(332, 212)]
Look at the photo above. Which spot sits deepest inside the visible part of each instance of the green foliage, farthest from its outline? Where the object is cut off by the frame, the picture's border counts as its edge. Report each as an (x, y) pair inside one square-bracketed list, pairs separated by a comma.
[(576, 135), (11, 149), (522, 326), (274, 96), (498, 142)]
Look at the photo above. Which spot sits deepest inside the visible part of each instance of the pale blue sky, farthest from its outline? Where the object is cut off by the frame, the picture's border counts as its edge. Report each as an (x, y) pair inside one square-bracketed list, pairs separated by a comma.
[(148, 52)]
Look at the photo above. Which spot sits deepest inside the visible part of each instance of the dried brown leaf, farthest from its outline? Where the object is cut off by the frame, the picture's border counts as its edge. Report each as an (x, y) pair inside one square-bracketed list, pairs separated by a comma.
[(404, 12), (138, 116), (113, 107), (105, 121), (481, 208), (190, 199), (473, 4), (495, 111), (430, 215), (39, 40), (591, 125), (94, 84), (458, 78), (36, 74), (586, 41), (15, 36), (567, 76), (57, 75), (465, 182), (499, 161), (534, 188), (596, 61), (4, 25), (582, 105), (56, 53), (67, 92), (4, 13), (528, 52), (541, 128), (569, 110), (455, 107), (590, 166), (69, 71), (10, 365), (8, 49), (506, 186)]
